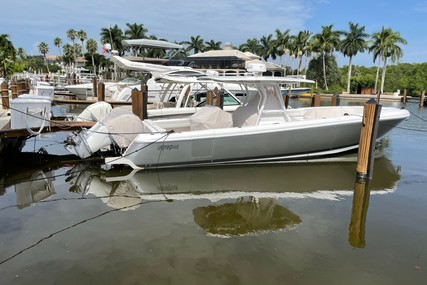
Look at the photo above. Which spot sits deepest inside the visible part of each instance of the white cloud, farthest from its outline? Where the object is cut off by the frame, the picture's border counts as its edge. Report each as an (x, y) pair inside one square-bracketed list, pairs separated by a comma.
[(221, 20)]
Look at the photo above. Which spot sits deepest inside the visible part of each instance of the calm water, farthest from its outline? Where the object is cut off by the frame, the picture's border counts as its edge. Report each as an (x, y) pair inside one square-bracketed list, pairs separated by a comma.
[(305, 223)]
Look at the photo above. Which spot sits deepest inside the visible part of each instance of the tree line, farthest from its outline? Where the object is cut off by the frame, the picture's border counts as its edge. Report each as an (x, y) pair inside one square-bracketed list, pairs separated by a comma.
[(316, 50)]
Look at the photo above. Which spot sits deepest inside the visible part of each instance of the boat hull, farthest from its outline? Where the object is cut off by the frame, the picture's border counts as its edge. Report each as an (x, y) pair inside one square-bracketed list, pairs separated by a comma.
[(292, 140)]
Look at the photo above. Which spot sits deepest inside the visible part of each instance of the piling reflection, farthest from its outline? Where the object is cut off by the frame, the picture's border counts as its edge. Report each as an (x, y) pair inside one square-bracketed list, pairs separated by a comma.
[(359, 212)]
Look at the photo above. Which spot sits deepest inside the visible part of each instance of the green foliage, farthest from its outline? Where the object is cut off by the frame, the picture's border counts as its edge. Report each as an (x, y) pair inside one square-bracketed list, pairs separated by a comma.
[(35, 63), (7, 55), (315, 72), (99, 60), (412, 77)]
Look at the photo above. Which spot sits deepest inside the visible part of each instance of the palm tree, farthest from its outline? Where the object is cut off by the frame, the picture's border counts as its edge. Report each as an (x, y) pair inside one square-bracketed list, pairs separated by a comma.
[(114, 36), (77, 48), (310, 52), (301, 45), (385, 45), (196, 43), (6, 46), (7, 55), (92, 47), (353, 42), (268, 47), (44, 49), (135, 31), (20, 54), (68, 56), (293, 50), (72, 34), (82, 37), (282, 45), (326, 42), (213, 45), (251, 45), (58, 43)]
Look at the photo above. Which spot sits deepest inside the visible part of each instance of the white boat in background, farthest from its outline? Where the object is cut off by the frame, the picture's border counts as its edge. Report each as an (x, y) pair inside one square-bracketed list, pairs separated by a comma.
[(84, 91), (261, 130), (179, 96)]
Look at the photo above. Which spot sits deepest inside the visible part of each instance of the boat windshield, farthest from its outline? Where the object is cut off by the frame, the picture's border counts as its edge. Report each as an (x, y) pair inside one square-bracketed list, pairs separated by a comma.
[(229, 100)]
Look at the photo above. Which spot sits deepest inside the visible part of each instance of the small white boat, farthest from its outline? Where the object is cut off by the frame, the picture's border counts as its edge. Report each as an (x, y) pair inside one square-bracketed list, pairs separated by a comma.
[(85, 90), (261, 130)]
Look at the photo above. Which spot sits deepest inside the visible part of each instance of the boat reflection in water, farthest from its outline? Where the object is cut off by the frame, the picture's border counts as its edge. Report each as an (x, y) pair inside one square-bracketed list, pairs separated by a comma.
[(35, 189), (325, 179), (245, 198), (89, 179)]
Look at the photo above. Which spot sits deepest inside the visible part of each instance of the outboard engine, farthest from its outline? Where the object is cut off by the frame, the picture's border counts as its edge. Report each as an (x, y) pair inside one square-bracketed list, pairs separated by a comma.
[(120, 127)]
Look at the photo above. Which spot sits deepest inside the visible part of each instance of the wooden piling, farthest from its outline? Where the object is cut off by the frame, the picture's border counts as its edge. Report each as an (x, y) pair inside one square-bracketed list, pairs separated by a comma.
[(101, 91), (423, 94), (95, 87), (27, 85), (286, 100), (144, 91), (315, 100), (21, 87), (378, 97), (137, 103), (361, 195), (335, 100), (219, 99), (209, 98), (404, 99), (4, 95), (368, 136), (289, 91), (13, 89)]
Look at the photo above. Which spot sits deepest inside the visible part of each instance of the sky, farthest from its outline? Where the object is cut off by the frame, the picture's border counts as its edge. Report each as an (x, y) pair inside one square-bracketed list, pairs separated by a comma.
[(30, 22)]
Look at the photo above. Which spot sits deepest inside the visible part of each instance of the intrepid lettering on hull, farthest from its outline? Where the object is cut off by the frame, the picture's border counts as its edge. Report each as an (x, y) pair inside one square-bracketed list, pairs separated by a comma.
[(168, 147)]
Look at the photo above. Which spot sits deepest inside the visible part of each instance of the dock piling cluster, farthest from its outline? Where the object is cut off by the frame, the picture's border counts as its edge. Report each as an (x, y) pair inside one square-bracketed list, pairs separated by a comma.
[(13, 90)]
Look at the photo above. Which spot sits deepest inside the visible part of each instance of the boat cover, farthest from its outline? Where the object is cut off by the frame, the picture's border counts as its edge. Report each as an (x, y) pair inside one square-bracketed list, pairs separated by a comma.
[(95, 112), (123, 126), (210, 117)]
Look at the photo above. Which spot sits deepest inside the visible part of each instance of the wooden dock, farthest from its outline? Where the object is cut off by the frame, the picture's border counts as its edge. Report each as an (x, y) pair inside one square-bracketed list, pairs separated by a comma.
[(55, 126)]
